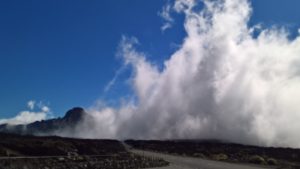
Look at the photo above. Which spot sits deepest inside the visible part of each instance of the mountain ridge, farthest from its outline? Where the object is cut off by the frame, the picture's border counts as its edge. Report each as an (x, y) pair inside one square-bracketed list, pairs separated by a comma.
[(72, 118)]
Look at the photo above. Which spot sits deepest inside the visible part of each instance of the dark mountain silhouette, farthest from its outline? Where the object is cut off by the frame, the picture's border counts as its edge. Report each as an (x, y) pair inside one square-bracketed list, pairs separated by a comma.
[(49, 127)]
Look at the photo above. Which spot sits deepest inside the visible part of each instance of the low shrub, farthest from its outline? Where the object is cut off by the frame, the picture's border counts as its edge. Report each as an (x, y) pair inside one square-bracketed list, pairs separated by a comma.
[(272, 161), (200, 155), (256, 159), (2, 152), (219, 157)]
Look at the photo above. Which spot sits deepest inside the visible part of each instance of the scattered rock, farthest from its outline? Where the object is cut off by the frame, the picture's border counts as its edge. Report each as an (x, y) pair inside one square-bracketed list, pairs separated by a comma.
[(61, 159)]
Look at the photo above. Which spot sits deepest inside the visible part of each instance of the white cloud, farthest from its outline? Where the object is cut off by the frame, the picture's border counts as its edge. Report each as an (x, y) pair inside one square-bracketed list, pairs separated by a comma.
[(45, 109), (165, 14), (184, 5), (26, 117), (31, 104)]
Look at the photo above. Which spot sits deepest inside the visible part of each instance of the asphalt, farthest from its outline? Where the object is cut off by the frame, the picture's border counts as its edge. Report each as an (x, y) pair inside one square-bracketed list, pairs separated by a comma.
[(179, 162)]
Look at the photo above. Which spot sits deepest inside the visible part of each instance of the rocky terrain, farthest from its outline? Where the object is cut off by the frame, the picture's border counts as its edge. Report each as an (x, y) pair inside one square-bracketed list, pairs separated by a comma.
[(31, 152), (13, 145), (124, 161), (223, 151)]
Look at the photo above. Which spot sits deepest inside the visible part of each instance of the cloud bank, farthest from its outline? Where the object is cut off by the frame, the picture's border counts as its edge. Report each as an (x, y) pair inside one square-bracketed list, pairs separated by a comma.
[(222, 83), (29, 116)]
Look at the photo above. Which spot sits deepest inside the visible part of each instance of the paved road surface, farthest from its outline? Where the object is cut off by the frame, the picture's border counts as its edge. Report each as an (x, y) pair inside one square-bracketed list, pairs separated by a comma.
[(177, 162)]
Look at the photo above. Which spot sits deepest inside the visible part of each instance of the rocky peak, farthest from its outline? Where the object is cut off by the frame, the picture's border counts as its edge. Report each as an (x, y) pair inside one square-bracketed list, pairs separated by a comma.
[(74, 115)]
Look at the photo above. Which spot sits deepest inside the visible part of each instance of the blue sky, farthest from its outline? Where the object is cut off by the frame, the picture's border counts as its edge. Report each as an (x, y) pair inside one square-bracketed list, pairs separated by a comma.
[(63, 53)]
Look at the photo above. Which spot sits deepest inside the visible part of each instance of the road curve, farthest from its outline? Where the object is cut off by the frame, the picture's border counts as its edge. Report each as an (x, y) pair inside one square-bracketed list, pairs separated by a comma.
[(178, 162)]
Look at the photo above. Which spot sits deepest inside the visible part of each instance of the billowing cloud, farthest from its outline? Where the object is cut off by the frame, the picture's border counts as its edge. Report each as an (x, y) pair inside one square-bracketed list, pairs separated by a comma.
[(222, 83), (29, 116)]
